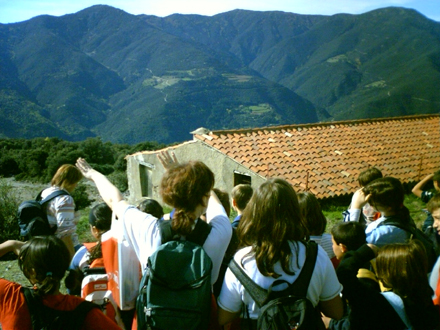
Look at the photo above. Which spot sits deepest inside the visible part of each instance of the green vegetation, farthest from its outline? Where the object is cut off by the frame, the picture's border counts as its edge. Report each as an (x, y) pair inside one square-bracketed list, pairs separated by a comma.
[(38, 159)]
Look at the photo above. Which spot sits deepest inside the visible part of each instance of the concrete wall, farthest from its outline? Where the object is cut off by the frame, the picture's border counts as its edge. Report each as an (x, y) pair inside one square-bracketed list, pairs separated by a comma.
[(146, 167)]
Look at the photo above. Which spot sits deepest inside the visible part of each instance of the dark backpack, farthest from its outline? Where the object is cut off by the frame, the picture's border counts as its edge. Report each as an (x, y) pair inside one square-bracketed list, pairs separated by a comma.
[(46, 318), (32, 218), (416, 233), (175, 291), (287, 309)]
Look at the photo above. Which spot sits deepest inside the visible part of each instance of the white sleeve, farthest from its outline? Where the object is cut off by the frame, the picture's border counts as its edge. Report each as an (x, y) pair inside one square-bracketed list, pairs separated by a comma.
[(142, 232), (218, 240)]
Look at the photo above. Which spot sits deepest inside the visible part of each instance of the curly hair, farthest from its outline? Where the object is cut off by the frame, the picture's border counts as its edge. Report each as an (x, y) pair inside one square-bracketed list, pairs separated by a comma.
[(184, 187)]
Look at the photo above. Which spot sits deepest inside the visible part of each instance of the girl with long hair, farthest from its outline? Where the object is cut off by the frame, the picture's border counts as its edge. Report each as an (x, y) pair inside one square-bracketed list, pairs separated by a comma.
[(406, 300), (44, 261), (61, 210), (273, 231)]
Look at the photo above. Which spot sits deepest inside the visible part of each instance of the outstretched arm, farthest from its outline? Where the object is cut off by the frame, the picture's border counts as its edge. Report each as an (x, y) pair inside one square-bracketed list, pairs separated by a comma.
[(418, 188), (108, 191), (10, 246)]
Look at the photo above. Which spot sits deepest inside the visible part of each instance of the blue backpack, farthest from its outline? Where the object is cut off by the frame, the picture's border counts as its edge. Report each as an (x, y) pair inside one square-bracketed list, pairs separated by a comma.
[(32, 218), (175, 291)]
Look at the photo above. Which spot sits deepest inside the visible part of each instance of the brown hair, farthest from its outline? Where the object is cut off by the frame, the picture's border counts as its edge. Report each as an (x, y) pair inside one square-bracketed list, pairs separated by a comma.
[(44, 260), (402, 267), (223, 197), (311, 213), (183, 187), (389, 192), (270, 220), (241, 194), (434, 203), (66, 175), (369, 175)]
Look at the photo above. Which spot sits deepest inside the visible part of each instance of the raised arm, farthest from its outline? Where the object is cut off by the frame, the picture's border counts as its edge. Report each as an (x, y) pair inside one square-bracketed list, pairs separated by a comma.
[(10, 246), (108, 191), (418, 188)]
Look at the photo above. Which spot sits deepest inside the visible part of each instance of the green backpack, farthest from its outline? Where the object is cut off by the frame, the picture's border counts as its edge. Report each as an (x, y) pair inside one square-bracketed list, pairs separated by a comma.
[(175, 291)]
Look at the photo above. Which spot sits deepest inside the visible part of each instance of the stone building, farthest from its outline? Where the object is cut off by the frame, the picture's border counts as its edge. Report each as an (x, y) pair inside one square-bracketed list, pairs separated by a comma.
[(324, 158)]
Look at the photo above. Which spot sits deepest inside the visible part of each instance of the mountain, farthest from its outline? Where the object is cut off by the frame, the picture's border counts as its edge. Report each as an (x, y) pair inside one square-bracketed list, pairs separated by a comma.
[(126, 78)]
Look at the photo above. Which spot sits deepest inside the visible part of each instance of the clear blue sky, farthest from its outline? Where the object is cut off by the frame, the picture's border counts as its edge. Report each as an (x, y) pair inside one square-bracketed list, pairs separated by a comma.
[(21, 10)]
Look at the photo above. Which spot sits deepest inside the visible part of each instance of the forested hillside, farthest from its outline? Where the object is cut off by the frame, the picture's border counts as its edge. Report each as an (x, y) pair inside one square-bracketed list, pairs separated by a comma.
[(104, 73)]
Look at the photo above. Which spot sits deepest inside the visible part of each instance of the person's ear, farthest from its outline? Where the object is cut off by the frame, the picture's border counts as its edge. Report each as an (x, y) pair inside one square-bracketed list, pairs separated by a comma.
[(343, 247)]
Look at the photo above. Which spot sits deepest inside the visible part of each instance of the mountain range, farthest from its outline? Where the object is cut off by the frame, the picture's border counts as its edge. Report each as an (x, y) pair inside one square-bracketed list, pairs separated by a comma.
[(132, 78)]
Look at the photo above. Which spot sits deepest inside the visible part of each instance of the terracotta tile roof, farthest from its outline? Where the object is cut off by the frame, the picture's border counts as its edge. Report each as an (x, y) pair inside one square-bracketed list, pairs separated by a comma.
[(326, 158)]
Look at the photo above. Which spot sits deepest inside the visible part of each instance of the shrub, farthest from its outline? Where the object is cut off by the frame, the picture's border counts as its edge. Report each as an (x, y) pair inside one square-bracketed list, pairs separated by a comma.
[(81, 197), (8, 210)]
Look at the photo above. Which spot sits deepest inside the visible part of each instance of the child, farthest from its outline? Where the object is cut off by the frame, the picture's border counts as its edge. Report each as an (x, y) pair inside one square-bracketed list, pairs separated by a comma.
[(316, 222), (406, 304), (273, 212), (100, 220), (426, 195), (433, 207), (151, 206), (44, 261), (386, 196), (240, 194), (350, 236), (368, 213), (347, 236)]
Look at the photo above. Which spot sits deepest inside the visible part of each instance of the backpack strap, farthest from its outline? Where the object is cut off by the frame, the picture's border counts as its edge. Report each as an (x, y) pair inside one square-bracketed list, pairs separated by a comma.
[(299, 287), (394, 222), (198, 236), (56, 193), (45, 317)]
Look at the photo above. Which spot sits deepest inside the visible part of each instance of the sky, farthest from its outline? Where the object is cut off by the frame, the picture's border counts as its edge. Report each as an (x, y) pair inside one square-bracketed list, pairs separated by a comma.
[(12, 11)]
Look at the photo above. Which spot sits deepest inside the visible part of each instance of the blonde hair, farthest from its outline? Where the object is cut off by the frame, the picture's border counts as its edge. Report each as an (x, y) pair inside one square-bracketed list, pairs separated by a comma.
[(66, 175)]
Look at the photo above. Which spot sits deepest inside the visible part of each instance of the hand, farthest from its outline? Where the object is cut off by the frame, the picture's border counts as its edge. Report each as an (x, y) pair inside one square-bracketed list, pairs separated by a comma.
[(359, 199), (167, 159), (85, 168)]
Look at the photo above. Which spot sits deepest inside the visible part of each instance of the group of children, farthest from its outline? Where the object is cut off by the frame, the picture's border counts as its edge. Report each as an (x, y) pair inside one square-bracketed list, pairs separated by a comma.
[(368, 274)]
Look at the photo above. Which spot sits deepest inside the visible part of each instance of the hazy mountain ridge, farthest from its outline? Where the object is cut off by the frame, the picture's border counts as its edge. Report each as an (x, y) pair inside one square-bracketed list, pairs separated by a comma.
[(131, 78)]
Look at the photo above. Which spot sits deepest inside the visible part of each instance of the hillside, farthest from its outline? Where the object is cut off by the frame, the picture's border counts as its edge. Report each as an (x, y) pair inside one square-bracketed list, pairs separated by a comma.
[(104, 72)]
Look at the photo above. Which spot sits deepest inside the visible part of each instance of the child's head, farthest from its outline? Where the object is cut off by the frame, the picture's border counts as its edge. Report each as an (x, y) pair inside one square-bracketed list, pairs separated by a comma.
[(270, 221), (311, 213), (402, 267), (436, 180), (347, 236), (433, 207), (151, 206), (241, 194), (44, 261), (66, 177), (368, 176), (187, 187), (386, 194), (100, 219)]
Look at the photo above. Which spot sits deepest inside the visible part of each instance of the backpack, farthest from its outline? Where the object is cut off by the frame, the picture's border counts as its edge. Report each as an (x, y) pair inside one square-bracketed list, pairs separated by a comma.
[(416, 233), (32, 218), (46, 318), (175, 291), (94, 288), (287, 309)]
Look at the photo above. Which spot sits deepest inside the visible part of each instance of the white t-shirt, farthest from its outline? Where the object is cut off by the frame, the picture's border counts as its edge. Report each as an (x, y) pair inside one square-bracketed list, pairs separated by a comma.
[(61, 212), (144, 236), (324, 284)]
